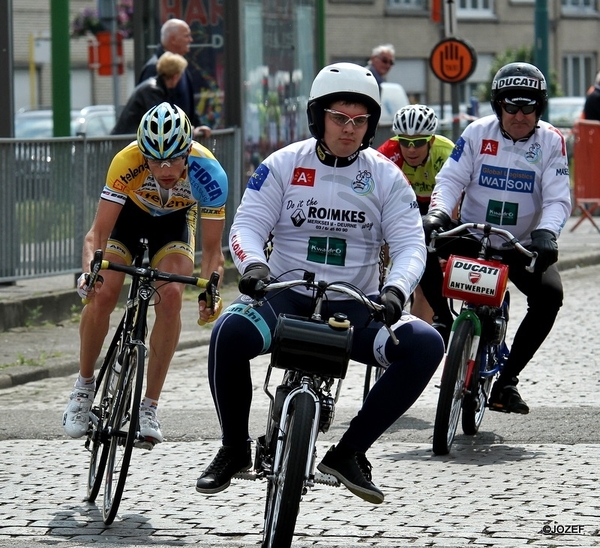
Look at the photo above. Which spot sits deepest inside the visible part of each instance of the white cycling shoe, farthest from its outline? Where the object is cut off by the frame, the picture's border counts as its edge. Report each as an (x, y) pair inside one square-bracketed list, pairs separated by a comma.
[(149, 426), (76, 417)]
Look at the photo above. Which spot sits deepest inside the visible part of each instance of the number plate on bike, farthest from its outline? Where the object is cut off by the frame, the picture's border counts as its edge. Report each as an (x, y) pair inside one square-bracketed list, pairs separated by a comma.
[(475, 280)]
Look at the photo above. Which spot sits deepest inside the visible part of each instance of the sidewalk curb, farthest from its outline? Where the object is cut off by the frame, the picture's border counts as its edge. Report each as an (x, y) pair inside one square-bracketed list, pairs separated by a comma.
[(61, 301), (58, 367)]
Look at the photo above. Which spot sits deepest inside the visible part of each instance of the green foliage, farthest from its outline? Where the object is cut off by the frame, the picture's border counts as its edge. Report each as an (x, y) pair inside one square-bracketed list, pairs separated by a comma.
[(512, 55)]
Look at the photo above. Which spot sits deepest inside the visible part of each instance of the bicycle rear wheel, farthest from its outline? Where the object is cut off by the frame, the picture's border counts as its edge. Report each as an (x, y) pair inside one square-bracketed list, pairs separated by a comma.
[(123, 428), (98, 438), (452, 388), (285, 488)]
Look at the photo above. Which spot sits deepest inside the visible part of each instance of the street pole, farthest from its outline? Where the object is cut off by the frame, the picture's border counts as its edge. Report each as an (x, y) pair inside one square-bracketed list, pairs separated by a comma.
[(61, 75), (107, 10), (540, 50), (450, 32)]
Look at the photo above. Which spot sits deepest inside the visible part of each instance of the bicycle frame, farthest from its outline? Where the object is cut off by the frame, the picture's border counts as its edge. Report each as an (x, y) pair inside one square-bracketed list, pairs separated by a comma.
[(114, 418)]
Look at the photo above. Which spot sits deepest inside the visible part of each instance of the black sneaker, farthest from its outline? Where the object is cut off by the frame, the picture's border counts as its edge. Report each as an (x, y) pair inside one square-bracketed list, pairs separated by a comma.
[(354, 471), (229, 461), (507, 399)]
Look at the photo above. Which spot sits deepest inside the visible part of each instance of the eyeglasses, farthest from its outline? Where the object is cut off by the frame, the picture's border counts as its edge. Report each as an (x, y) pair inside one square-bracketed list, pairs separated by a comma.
[(511, 108), (386, 61), (341, 119), (174, 162), (416, 143)]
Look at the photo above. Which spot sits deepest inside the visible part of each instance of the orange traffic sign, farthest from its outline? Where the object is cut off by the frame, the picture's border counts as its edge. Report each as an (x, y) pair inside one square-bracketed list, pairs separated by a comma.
[(453, 60)]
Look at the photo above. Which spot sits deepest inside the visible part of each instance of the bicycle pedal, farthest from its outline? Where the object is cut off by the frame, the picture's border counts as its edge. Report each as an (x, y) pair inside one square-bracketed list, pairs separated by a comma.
[(326, 479), (146, 444), (247, 475)]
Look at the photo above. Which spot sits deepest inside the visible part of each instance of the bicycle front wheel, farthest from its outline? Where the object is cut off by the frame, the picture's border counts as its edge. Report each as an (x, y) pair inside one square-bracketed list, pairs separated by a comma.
[(452, 388), (123, 428), (285, 488), (100, 412)]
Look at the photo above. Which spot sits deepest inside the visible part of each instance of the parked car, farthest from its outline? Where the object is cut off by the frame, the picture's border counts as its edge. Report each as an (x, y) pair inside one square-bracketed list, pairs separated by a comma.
[(38, 123), (563, 111), (393, 98), (33, 159)]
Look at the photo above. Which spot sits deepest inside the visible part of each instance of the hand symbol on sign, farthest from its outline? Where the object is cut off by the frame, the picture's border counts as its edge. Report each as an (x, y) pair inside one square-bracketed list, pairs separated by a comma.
[(451, 62)]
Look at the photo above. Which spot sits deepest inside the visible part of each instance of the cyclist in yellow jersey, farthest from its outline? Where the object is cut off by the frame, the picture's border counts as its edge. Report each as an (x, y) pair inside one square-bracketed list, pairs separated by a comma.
[(153, 190), (420, 154)]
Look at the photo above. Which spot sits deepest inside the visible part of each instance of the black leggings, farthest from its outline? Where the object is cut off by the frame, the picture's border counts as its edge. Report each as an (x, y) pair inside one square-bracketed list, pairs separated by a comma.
[(240, 335), (544, 292)]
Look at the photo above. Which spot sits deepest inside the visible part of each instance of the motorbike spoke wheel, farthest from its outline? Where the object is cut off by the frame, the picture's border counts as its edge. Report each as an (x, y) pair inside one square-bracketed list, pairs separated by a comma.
[(452, 388), (287, 484)]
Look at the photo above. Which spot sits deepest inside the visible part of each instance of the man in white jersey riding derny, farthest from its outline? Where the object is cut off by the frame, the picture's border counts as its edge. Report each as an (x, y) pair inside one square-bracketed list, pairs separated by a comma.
[(303, 194), (512, 169)]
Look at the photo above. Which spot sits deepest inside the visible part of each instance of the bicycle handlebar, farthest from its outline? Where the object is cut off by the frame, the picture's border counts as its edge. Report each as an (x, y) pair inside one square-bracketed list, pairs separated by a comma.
[(321, 286), (487, 229), (153, 274)]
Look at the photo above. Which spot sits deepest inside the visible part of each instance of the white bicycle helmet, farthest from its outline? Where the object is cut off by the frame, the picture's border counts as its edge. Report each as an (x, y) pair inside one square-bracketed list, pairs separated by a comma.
[(415, 120), (164, 132), (343, 82)]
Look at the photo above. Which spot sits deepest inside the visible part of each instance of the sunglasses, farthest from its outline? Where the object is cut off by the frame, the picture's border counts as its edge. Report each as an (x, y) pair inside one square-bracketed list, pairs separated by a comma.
[(341, 119), (175, 162), (416, 143), (386, 61), (510, 108)]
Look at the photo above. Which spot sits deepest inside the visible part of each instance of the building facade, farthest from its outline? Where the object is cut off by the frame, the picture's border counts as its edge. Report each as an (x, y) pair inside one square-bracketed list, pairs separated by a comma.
[(280, 47), (354, 27)]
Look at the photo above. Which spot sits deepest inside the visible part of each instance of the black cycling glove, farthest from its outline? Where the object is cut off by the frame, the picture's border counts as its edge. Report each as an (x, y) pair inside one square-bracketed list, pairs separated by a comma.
[(254, 273), (393, 301), (436, 219), (544, 242)]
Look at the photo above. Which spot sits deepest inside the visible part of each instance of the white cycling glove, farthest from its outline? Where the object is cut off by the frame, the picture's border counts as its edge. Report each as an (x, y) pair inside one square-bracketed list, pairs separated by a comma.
[(83, 288)]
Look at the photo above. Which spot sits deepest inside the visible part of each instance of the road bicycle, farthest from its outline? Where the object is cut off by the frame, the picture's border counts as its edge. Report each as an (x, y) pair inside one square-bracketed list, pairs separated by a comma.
[(313, 353), (477, 349), (114, 428)]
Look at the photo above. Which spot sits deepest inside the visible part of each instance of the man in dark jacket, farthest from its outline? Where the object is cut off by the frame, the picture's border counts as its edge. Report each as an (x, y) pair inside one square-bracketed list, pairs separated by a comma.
[(151, 92), (591, 109), (176, 37)]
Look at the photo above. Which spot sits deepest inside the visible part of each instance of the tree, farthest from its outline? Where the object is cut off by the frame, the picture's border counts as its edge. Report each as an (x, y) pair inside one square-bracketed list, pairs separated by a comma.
[(523, 54)]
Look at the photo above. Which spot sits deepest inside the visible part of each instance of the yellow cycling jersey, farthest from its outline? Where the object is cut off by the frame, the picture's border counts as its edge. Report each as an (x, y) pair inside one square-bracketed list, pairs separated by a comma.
[(204, 182), (422, 178)]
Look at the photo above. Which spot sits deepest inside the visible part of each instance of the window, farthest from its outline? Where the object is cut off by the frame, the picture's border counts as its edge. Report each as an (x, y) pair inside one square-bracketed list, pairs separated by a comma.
[(578, 6), (412, 4), (578, 73), (475, 8)]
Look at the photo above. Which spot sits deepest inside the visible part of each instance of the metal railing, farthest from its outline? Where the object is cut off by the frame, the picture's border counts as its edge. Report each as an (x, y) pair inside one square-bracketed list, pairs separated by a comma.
[(49, 191)]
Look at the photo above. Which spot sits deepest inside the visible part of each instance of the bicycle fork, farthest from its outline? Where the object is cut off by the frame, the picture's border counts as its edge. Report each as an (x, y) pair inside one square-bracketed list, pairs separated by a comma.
[(469, 315)]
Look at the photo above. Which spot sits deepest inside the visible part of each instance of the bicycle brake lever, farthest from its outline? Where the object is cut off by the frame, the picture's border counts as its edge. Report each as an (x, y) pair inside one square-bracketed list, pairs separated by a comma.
[(211, 290), (531, 267), (95, 266), (392, 335)]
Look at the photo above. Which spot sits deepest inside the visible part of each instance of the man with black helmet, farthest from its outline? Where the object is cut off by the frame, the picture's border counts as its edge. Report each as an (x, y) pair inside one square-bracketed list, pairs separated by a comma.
[(302, 194), (513, 170)]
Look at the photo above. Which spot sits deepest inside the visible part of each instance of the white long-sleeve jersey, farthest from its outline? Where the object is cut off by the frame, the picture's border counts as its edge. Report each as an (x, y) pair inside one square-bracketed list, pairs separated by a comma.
[(520, 186), (330, 216)]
